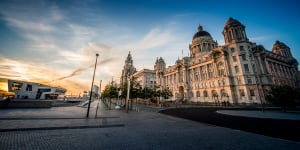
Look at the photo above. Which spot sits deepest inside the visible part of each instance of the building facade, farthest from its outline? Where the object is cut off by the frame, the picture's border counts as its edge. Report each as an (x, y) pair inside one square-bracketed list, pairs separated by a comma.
[(145, 78), (128, 70), (32, 90), (238, 72)]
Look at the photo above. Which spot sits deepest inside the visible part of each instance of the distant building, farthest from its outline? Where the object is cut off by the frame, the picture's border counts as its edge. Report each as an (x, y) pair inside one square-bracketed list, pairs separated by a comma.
[(239, 71), (145, 78), (128, 70), (96, 91), (31, 90)]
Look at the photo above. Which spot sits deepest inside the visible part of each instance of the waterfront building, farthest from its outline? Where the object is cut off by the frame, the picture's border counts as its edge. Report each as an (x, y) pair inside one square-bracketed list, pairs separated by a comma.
[(31, 90), (145, 78), (128, 70), (239, 72)]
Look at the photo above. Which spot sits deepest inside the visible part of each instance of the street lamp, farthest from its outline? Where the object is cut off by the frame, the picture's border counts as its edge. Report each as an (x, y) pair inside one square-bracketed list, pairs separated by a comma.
[(88, 111)]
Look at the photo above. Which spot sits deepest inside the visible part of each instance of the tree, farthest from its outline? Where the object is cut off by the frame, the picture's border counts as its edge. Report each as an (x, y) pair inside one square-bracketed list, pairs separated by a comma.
[(166, 93), (134, 89), (283, 96), (110, 91), (147, 93)]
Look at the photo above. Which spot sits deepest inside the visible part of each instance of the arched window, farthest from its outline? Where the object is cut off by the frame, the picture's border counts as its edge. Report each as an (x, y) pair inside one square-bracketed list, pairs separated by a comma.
[(221, 68), (192, 94), (205, 93), (198, 93), (223, 93)]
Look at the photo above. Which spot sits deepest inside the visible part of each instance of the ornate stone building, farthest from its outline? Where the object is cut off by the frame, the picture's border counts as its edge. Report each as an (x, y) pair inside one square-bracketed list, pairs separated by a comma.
[(128, 69), (239, 71), (145, 78)]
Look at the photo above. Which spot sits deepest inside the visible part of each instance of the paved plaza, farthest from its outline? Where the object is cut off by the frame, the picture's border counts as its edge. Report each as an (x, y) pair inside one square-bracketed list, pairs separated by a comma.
[(67, 128)]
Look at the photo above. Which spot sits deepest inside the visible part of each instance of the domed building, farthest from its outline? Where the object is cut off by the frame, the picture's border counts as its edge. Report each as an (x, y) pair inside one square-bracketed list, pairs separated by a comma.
[(239, 72)]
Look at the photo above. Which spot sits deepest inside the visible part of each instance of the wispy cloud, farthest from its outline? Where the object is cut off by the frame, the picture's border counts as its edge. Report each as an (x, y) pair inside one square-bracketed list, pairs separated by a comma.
[(38, 25), (154, 38), (73, 45), (16, 69), (20, 70), (81, 69), (25, 25)]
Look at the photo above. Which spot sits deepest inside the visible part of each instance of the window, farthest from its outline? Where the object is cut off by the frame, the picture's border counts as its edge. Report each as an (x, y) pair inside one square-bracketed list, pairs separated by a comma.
[(16, 86), (230, 35), (221, 68), (210, 74), (210, 70), (221, 72), (234, 58), (250, 57), (205, 94), (232, 49), (249, 80), (29, 87), (242, 48), (192, 94), (223, 93), (242, 93), (246, 67), (198, 94), (236, 68), (254, 68), (239, 80), (244, 58), (252, 92)]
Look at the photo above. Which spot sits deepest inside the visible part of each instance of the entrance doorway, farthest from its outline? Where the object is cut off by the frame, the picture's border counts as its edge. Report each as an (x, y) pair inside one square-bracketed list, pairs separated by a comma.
[(181, 93)]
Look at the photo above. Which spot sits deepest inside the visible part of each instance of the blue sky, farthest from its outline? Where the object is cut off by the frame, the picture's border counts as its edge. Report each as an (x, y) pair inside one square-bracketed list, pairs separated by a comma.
[(45, 41)]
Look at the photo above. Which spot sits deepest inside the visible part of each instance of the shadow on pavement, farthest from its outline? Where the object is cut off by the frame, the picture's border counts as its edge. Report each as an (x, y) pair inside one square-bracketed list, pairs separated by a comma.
[(285, 129)]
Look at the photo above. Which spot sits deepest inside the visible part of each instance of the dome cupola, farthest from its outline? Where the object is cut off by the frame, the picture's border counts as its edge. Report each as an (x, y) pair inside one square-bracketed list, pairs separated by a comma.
[(202, 42), (200, 33)]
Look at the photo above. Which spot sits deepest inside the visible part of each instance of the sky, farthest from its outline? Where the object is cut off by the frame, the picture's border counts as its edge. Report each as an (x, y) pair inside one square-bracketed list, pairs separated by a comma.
[(55, 42)]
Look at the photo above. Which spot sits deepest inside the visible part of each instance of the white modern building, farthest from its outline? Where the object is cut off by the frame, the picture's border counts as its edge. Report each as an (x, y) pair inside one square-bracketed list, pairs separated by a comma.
[(32, 90)]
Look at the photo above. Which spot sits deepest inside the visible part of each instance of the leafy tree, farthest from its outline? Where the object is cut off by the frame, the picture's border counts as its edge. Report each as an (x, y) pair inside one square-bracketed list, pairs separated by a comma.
[(166, 93), (147, 93), (283, 96), (110, 91), (134, 89)]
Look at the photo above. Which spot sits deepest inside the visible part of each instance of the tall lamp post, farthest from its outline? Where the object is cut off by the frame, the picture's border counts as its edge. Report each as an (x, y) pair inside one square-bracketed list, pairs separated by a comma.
[(88, 110)]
